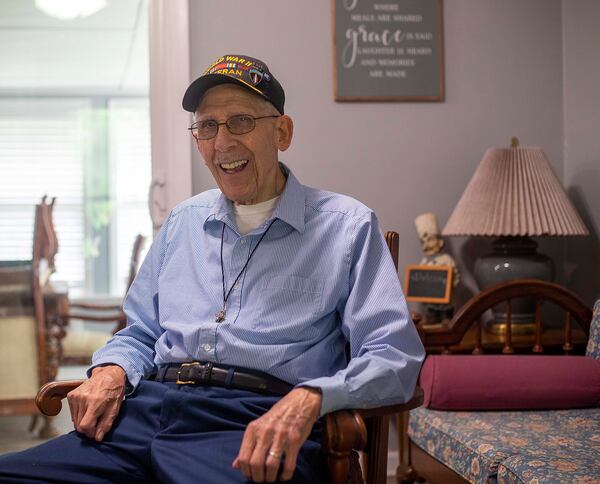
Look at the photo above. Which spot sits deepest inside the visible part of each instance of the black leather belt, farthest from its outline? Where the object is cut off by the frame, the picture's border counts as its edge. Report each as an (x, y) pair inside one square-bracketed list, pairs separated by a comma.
[(199, 373)]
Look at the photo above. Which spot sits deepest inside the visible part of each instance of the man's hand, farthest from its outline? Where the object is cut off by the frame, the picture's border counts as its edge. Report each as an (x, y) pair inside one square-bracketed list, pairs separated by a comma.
[(96, 402), (277, 435)]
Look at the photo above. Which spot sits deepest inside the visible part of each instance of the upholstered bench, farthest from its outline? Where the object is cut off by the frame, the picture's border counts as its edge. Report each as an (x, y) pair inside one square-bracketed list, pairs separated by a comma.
[(510, 418)]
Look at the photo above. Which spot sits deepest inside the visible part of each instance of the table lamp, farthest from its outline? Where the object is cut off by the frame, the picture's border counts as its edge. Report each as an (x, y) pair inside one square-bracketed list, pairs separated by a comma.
[(513, 195)]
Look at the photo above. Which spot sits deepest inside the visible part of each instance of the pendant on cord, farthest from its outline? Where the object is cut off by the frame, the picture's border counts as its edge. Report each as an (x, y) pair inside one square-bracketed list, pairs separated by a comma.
[(220, 315)]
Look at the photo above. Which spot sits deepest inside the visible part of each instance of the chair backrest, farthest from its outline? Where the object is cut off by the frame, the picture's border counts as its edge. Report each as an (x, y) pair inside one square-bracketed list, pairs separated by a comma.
[(134, 261), (392, 240), (45, 248), (45, 241), (23, 314)]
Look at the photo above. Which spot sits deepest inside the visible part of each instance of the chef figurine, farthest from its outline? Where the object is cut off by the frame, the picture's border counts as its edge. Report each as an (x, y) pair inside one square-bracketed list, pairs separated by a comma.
[(431, 245)]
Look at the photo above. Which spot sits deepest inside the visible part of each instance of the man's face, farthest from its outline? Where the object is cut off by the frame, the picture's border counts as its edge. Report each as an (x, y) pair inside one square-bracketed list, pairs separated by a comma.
[(244, 166)]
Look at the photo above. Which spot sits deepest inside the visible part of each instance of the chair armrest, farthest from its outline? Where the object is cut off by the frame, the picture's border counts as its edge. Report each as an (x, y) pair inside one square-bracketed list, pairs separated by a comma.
[(346, 427), (99, 312), (345, 431), (415, 401), (49, 397), (96, 306), (112, 318)]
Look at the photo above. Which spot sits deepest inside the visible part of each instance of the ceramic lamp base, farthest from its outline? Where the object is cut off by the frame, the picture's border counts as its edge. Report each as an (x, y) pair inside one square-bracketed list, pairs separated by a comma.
[(513, 258)]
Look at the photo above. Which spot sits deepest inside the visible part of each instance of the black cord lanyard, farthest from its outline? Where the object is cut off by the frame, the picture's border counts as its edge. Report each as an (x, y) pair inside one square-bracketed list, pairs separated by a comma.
[(220, 315)]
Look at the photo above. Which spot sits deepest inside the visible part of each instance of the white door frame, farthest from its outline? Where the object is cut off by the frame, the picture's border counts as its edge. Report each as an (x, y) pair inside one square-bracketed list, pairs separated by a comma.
[(169, 78)]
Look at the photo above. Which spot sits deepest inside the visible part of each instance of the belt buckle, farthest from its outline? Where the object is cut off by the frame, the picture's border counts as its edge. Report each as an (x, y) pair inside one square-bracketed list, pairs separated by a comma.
[(185, 382), (205, 374)]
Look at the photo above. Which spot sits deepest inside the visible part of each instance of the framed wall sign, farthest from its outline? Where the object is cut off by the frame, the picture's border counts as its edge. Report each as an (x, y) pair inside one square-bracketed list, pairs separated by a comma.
[(430, 284), (388, 50)]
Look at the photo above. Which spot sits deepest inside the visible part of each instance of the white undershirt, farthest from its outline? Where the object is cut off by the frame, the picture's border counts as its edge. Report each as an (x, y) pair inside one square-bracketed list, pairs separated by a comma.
[(248, 217)]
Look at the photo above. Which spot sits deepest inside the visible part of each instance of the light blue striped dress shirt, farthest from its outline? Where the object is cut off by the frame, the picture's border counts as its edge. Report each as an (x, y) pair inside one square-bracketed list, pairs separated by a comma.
[(321, 276)]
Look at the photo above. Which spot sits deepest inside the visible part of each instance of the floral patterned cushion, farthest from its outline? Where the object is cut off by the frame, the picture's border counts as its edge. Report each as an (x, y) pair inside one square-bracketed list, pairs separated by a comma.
[(466, 442), (593, 346), (518, 446), (528, 469)]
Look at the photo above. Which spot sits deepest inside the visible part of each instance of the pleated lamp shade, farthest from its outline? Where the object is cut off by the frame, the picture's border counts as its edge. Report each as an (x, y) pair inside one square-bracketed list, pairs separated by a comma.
[(514, 192)]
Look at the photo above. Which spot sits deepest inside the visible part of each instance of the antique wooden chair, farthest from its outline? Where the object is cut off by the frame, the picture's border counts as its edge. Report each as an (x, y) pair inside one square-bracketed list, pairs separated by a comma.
[(451, 337), (345, 431), (78, 346), (26, 343)]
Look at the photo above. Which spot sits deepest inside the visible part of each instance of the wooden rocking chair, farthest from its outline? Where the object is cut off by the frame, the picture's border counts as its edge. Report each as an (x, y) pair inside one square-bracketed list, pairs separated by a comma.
[(345, 431)]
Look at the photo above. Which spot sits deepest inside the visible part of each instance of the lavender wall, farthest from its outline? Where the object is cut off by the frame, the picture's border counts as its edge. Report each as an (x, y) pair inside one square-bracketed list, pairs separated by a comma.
[(503, 78), (582, 140)]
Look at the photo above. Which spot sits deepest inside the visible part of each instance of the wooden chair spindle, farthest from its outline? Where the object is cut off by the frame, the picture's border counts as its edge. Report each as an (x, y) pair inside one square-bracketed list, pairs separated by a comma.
[(478, 350), (508, 349), (537, 347), (404, 471), (568, 346)]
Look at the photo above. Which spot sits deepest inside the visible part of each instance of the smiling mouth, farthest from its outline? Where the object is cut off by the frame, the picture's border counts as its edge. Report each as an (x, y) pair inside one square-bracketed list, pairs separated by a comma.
[(233, 166)]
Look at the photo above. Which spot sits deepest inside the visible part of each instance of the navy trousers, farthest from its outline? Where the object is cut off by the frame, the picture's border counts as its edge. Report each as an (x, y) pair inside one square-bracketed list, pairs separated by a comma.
[(164, 433)]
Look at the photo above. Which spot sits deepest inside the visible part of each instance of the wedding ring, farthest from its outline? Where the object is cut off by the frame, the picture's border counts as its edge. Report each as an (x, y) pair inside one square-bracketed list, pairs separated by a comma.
[(275, 455)]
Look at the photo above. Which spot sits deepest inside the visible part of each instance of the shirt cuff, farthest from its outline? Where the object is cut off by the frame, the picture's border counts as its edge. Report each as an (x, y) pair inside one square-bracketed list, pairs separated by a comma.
[(133, 375), (334, 395)]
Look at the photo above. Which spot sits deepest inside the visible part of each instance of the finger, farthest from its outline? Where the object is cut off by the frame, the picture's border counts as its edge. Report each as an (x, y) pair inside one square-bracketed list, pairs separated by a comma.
[(257, 463), (273, 463), (73, 408), (106, 421), (275, 455), (243, 457), (259, 455), (78, 409), (289, 464), (89, 420), (87, 426)]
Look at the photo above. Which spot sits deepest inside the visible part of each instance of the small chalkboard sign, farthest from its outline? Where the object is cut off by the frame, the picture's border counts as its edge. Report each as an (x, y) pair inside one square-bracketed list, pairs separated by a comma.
[(430, 284)]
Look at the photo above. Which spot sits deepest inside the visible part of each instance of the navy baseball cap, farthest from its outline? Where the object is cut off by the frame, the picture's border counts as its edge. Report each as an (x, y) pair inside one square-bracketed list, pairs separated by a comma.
[(250, 73)]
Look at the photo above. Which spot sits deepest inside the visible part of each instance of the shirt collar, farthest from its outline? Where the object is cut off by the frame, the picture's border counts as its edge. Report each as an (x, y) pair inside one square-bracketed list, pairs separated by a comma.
[(290, 208)]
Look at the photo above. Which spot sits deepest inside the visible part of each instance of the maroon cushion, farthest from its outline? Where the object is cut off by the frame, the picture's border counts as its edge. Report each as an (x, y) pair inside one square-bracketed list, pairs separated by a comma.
[(510, 382)]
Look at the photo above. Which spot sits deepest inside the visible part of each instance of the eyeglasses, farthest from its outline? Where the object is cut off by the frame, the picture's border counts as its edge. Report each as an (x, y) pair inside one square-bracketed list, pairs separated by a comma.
[(238, 124)]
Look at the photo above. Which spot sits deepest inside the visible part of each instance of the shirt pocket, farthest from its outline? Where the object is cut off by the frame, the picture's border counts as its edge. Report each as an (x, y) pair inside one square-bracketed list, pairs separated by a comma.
[(288, 303)]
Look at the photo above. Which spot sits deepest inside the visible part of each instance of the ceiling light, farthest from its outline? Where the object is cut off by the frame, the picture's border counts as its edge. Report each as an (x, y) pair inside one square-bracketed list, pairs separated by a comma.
[(70, 9)]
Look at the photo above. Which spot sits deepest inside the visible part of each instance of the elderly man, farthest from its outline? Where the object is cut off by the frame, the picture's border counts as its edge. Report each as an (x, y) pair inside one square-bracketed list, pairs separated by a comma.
[(239, 318)]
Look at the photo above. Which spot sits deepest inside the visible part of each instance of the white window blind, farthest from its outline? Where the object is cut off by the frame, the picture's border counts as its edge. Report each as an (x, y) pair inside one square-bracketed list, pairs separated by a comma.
[(46, 146), (41, 153), (129, 136)]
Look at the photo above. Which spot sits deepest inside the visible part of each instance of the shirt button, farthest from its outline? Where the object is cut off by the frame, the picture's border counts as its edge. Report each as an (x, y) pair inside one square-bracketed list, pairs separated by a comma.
[(243, 241), (206, 347)]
